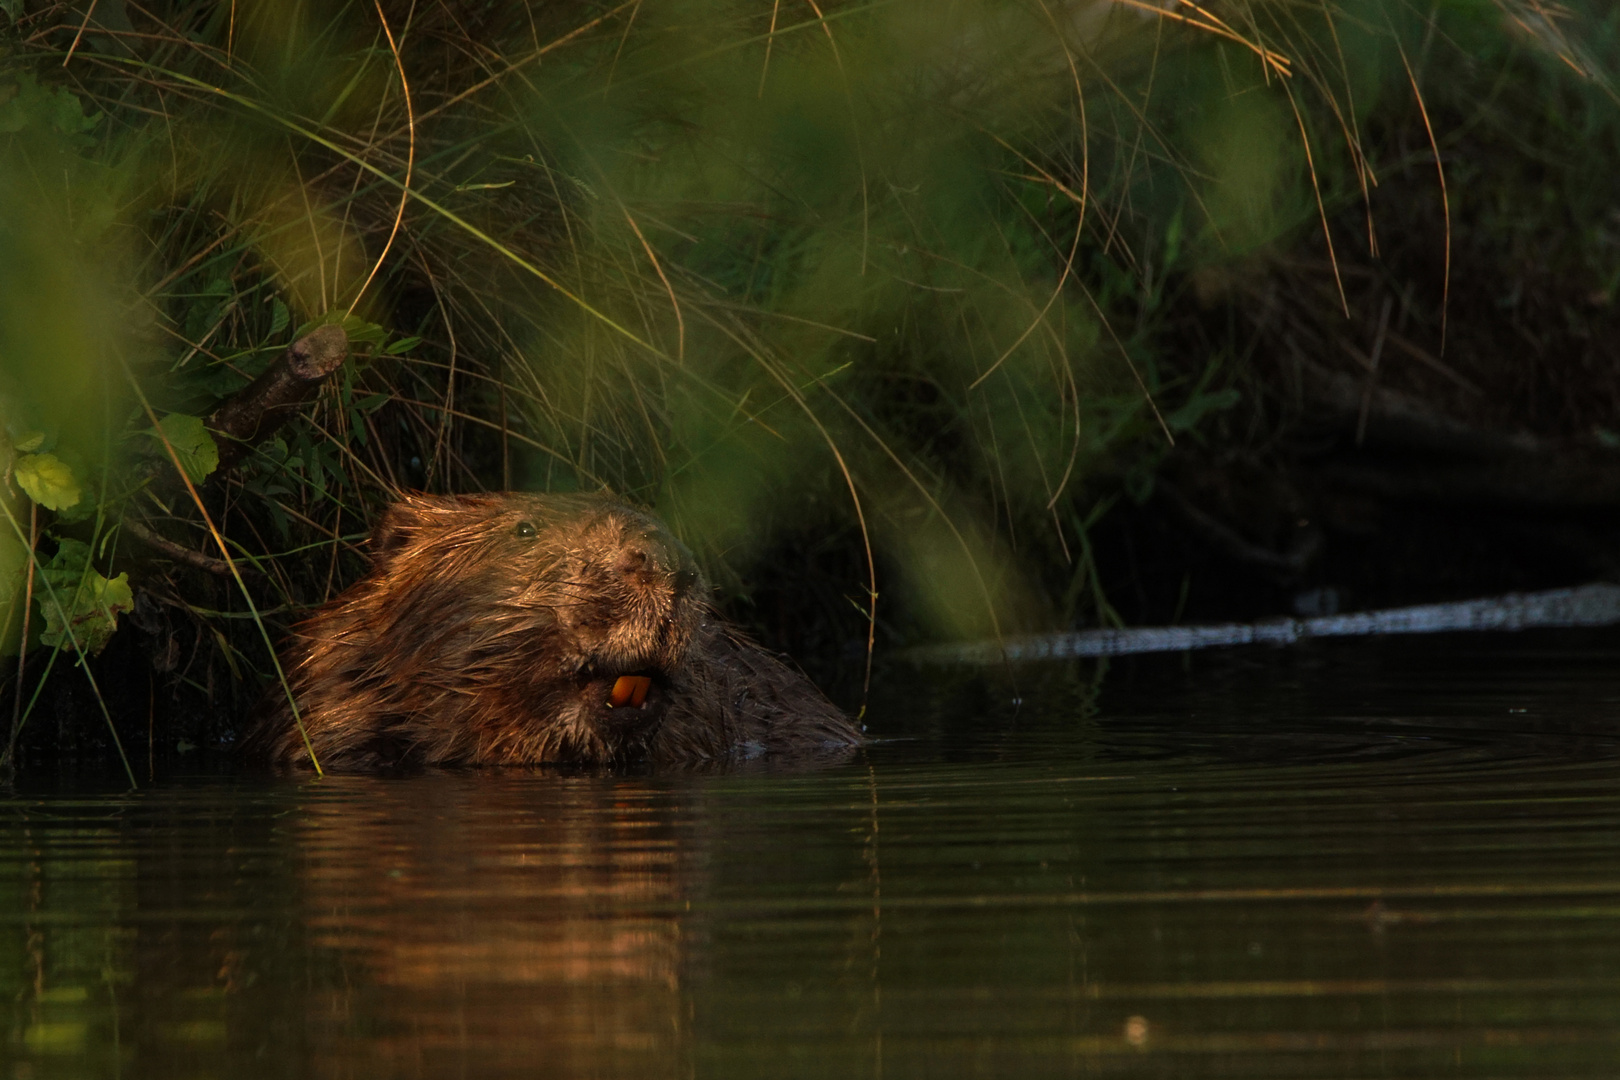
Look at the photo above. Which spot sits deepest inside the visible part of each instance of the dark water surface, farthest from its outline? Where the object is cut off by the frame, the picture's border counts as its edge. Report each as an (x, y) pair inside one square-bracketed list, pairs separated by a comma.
[(1396, 859)]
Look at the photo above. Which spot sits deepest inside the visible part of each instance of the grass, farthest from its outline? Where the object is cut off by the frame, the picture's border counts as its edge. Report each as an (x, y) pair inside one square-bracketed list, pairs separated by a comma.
[(891, 300)]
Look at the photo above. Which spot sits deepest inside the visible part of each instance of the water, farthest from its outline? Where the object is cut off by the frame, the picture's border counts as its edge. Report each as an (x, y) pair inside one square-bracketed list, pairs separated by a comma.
[(1365, 860)]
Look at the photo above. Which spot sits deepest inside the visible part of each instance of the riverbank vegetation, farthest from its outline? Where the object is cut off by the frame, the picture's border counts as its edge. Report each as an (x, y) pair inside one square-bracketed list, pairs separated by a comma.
[(915, 320)]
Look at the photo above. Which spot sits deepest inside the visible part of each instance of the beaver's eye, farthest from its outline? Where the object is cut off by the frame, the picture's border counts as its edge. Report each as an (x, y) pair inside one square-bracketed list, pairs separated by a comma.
[(526, 530)]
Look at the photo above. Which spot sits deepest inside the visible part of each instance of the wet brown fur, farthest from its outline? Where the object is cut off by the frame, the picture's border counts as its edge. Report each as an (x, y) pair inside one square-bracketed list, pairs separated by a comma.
[(490, 630)]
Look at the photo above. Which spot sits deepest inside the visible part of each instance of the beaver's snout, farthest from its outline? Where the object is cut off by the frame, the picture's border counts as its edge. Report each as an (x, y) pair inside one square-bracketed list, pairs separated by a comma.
[(650, 561)]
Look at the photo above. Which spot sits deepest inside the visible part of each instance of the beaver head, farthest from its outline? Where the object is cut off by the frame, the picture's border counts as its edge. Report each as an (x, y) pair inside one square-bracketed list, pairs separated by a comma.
[(516, 628)]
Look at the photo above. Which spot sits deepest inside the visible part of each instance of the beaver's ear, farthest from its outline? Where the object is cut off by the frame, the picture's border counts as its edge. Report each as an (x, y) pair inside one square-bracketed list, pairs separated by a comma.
[(393, 532), (402, 523)]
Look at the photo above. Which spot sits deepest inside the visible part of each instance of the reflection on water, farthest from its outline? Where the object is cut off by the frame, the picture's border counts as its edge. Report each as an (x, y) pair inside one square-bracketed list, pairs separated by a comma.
[(352, 926), (533, 918), (1360, 861)]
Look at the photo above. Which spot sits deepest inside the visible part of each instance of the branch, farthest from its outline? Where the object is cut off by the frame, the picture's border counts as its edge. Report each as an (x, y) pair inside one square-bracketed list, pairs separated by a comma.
[(258, 410), (252, 415), (175, 551)]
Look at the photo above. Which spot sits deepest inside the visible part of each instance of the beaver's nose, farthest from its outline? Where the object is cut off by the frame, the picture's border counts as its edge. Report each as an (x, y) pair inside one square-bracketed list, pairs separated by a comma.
[(636, 561), (646, 557)]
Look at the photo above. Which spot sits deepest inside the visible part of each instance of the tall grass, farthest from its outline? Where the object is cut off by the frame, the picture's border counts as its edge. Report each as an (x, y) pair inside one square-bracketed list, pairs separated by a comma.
[(878, 288)]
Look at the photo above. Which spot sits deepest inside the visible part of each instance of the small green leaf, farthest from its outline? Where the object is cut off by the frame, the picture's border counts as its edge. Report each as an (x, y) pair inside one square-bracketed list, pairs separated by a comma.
[(362, 332), (36, 106), (403, 345), (83, 510), (193, 445), (12, 8), (68, 116), (279, 317), (29, 441), (92, 603), (70, 559), (274, 450), (48, 481)]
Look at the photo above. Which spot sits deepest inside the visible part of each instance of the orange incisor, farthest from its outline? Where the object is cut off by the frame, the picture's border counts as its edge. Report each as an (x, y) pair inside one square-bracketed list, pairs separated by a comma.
[(629, 690)]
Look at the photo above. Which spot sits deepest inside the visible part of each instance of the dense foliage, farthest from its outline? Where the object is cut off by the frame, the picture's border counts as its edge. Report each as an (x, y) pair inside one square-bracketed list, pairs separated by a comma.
[(896, 299)]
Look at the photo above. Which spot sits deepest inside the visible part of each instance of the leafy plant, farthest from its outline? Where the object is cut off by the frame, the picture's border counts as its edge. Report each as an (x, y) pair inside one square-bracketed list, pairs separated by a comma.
[(897, 288)]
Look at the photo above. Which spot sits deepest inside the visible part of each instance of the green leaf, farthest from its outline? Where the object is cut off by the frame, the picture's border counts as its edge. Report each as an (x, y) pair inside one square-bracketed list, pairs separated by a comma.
[(33, 105), (83, 510), (67, 115), (362, 332), (403, 345), (279, 317), (12, 8), (91, 602), (193, 445), (48, 481), (28, 442)]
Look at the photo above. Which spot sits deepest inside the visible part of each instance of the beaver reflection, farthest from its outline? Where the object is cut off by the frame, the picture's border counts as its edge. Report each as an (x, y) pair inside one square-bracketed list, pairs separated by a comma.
[(520, 629), (514, 922)]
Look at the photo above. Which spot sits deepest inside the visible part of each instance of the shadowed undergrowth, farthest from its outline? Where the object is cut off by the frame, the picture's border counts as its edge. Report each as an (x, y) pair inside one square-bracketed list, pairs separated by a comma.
[(883, 305)]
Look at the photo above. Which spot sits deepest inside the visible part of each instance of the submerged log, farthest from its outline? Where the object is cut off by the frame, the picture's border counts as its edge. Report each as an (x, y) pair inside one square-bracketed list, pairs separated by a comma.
[(1585, 605)]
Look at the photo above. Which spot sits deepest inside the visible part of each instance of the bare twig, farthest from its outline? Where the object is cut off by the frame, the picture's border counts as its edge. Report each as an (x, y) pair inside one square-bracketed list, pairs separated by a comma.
[(175, 551), (273, 398)]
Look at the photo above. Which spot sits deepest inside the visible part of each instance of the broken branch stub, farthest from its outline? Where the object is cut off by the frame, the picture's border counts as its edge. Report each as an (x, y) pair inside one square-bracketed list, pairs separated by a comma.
[(252, 415), (264, 405)]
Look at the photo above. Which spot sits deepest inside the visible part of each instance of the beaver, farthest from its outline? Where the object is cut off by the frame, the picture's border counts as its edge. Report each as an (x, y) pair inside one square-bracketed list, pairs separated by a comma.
[(526, 629)]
